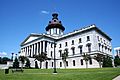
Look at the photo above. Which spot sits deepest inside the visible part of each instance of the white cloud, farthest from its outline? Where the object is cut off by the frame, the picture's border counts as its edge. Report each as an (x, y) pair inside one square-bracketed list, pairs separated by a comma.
[(3, 54), (44, 12)]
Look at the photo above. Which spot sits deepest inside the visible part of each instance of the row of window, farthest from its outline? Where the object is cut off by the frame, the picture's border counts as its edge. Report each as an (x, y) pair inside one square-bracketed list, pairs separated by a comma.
[(74, 63), (73, 50), (103, 40), (66, 43), (80, 41)]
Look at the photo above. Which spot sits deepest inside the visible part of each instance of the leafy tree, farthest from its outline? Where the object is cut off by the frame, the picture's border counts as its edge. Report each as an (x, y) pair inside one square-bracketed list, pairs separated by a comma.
[(86, 57), (117, 61), (4, 60), (41, 57), (0, 60), (27, 63), (16, 63), (107, 61), (22, 59), (99, 58), (64, 57)]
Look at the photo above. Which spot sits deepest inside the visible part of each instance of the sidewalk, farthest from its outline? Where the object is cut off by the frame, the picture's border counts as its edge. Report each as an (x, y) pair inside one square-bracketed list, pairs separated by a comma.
[(117, 78)]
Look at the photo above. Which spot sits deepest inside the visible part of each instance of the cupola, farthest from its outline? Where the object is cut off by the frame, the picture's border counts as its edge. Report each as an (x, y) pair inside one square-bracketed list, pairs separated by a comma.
[(55, 26)]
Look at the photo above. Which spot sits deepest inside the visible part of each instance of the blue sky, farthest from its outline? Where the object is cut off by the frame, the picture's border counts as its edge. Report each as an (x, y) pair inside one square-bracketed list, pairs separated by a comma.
[(19, 18)]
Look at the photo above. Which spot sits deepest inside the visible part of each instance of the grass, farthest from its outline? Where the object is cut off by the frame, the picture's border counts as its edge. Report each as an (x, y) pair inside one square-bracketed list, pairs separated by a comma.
[(63, 74)]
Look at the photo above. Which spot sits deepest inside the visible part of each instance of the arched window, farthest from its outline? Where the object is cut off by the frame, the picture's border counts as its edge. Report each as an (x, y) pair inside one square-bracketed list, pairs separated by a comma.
[(60, 64), (81, 62), (90, 61), (73, 62)]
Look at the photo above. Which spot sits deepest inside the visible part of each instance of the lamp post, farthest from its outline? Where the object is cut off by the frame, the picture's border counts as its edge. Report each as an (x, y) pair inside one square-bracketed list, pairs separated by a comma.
[(54, 59)]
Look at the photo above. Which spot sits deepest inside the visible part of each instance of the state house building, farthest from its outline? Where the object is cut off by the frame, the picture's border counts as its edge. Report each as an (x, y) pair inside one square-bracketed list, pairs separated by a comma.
[(89, 39)]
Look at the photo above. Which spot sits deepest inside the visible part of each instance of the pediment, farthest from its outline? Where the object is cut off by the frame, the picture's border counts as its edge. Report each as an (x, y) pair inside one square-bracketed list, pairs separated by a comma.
[(30, 38)]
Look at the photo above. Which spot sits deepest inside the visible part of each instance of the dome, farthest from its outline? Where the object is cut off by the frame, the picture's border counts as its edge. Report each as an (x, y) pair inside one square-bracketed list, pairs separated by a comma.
[(55, 23)]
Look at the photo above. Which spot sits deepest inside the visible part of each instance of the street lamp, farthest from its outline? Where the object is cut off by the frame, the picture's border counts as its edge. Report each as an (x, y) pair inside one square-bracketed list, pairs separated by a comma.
[(54, 59)]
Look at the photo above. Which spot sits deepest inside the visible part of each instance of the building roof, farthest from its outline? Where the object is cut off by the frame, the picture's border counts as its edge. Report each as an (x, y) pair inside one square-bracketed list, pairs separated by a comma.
[(85, 29), (82, 30), (55, 23)]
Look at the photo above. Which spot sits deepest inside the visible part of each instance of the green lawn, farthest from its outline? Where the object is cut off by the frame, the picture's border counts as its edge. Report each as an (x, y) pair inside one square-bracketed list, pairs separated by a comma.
[(63, 74)]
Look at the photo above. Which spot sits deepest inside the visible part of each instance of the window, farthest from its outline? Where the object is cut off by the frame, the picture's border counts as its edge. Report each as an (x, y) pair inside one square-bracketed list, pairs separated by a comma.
[(73, 62), (60, 51), (72, 42), (102, 48), (52, 64), (101, 39), (104, 42), (90, 61), (54, 20), (51, 54), (89, 48), (98, 38), (73, 50), (88, 38), (66, 50), (81, 62), (60, 45), (80, 40), (99, 46), (60, 64), (50, 31), (80, 49), (65, 43), (55, 30), (66, 63)]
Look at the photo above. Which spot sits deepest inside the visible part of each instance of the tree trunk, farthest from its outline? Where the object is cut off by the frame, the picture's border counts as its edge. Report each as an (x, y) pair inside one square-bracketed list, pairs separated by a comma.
[(86, 64), (100, 64), (64, 64), (40, 64), (22, 66)]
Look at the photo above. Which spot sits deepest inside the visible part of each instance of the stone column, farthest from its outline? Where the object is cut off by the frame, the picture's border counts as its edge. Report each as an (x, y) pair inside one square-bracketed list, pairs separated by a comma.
[(43, 46), (34, 50), (28, 51), (40, 47), (37, 48)]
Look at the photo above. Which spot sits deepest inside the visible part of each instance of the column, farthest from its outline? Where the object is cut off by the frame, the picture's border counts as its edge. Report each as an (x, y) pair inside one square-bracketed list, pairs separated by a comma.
[(40, 47), (31, 50), (28, 51), (47, 48), (25, 51), (34, 50), (43, 46), (37, 47)]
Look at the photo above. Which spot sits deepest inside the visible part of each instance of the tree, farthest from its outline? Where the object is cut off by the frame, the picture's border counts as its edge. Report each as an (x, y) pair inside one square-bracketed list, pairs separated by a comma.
[(86, 57), (4, 60), (41, 57), (16, 63), (27, 65), (107, 61), (22, 59), (117, 61), (99, 58), (64, 57)]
